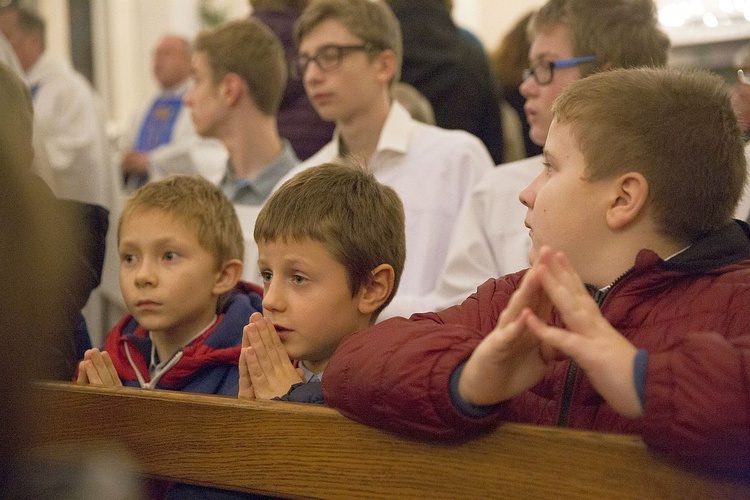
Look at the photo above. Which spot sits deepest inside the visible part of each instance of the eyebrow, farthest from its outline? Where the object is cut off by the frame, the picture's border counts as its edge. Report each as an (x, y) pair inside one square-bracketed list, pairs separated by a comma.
[(160, 241)]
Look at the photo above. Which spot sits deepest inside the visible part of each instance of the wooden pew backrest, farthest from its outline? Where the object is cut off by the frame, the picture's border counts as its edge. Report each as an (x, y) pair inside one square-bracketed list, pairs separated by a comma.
[(296, 450)]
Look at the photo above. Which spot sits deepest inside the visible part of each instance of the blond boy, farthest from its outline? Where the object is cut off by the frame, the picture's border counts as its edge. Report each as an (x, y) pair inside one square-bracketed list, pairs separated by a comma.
[(181, 248)]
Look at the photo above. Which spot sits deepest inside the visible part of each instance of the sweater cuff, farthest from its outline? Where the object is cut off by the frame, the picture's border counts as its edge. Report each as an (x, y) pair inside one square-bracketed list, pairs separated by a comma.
[(639, 373), (464, 406)]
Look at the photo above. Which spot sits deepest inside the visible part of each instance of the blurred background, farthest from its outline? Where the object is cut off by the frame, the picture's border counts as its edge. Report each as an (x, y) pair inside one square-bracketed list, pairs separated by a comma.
[(110, 41)]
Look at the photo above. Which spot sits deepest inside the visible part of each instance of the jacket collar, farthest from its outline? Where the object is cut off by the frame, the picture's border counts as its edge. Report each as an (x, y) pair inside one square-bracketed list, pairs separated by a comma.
[(722, 247)]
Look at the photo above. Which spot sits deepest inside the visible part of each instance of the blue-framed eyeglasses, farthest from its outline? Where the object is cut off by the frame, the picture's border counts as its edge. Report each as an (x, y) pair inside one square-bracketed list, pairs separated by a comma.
[(544, 71)]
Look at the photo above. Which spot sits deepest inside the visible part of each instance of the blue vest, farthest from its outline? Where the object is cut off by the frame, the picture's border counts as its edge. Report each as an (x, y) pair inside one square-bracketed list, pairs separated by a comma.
[(156, 129)]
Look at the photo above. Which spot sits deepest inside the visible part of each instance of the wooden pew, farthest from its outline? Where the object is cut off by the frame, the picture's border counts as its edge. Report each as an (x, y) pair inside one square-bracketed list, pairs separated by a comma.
[(308, 451)]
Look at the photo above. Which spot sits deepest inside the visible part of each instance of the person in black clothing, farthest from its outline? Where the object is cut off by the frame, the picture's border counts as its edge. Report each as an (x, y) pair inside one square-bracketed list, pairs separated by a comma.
[(450, 67), (297, 119)]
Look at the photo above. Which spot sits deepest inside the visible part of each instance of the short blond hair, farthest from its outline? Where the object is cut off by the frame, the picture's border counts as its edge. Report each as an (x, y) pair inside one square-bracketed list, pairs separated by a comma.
[(677, 128), (200, 205), (359, 220)]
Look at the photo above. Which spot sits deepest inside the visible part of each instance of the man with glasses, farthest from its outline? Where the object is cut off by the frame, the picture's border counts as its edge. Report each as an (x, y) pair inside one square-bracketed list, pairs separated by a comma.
[(239, 75), (349, 58), (570, 39)]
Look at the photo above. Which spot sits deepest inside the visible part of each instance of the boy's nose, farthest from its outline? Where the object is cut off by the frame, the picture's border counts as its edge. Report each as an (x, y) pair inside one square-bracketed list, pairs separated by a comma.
[(527, 197), (312, 73), (273, 297), (528, 86), (146, 274)]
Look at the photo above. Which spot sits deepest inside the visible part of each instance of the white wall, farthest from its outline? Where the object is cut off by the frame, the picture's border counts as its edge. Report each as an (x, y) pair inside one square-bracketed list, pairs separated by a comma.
[(491, 19)]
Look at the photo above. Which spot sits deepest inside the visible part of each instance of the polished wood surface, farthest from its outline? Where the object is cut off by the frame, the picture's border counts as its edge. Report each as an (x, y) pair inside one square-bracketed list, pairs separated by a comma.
[(298, 450)]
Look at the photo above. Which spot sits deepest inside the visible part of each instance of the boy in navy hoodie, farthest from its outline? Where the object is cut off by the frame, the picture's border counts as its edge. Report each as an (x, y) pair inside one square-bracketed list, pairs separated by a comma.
[(181, 247), (331, 250)]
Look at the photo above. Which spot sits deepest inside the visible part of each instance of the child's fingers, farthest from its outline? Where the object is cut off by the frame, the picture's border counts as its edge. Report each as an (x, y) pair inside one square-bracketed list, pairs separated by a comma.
[(111, 369), (571, 298), (274, 349), (82, 378), (91, 373), (521, 298), (254, 367), (97, 359), (246, 384), (252, 326)]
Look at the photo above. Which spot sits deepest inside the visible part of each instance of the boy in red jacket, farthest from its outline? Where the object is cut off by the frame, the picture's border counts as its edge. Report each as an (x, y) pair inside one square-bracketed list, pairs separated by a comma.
[(634, 314)]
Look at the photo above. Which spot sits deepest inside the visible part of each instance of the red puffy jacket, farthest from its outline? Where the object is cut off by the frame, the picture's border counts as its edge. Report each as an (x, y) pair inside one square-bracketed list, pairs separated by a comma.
[(692, 315)]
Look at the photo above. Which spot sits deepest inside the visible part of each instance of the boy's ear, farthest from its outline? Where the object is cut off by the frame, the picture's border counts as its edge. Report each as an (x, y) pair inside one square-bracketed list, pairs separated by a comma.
[(227, 276), (386, 61), (231, 87), (372, 295), (630, 193)]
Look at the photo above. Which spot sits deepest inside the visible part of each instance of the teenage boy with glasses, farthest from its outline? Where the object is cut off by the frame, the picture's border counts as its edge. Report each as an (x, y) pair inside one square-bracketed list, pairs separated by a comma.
[(570, 39), (349, 58)]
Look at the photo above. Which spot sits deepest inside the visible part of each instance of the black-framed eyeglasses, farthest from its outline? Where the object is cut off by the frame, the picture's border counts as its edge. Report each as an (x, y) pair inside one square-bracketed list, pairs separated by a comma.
[(543, 72), (329, 57)]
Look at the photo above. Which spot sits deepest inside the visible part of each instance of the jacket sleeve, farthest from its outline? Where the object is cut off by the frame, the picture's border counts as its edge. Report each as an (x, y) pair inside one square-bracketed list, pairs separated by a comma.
[(697, 401), (396, 375)]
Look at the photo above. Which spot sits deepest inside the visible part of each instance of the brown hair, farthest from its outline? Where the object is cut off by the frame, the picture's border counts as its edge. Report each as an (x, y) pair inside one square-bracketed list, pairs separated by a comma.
[(251, 50), (359, 220), (620, 33), (371, 20), (678, 129)]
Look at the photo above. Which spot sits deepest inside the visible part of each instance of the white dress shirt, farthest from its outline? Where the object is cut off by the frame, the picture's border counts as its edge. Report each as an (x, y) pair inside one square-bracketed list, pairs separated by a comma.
[(491, 239)]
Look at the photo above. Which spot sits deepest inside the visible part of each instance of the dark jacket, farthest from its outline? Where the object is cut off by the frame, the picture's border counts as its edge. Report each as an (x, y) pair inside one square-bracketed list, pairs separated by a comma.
[(207, 365), (691, 314), (450, 67), (297, 119)]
